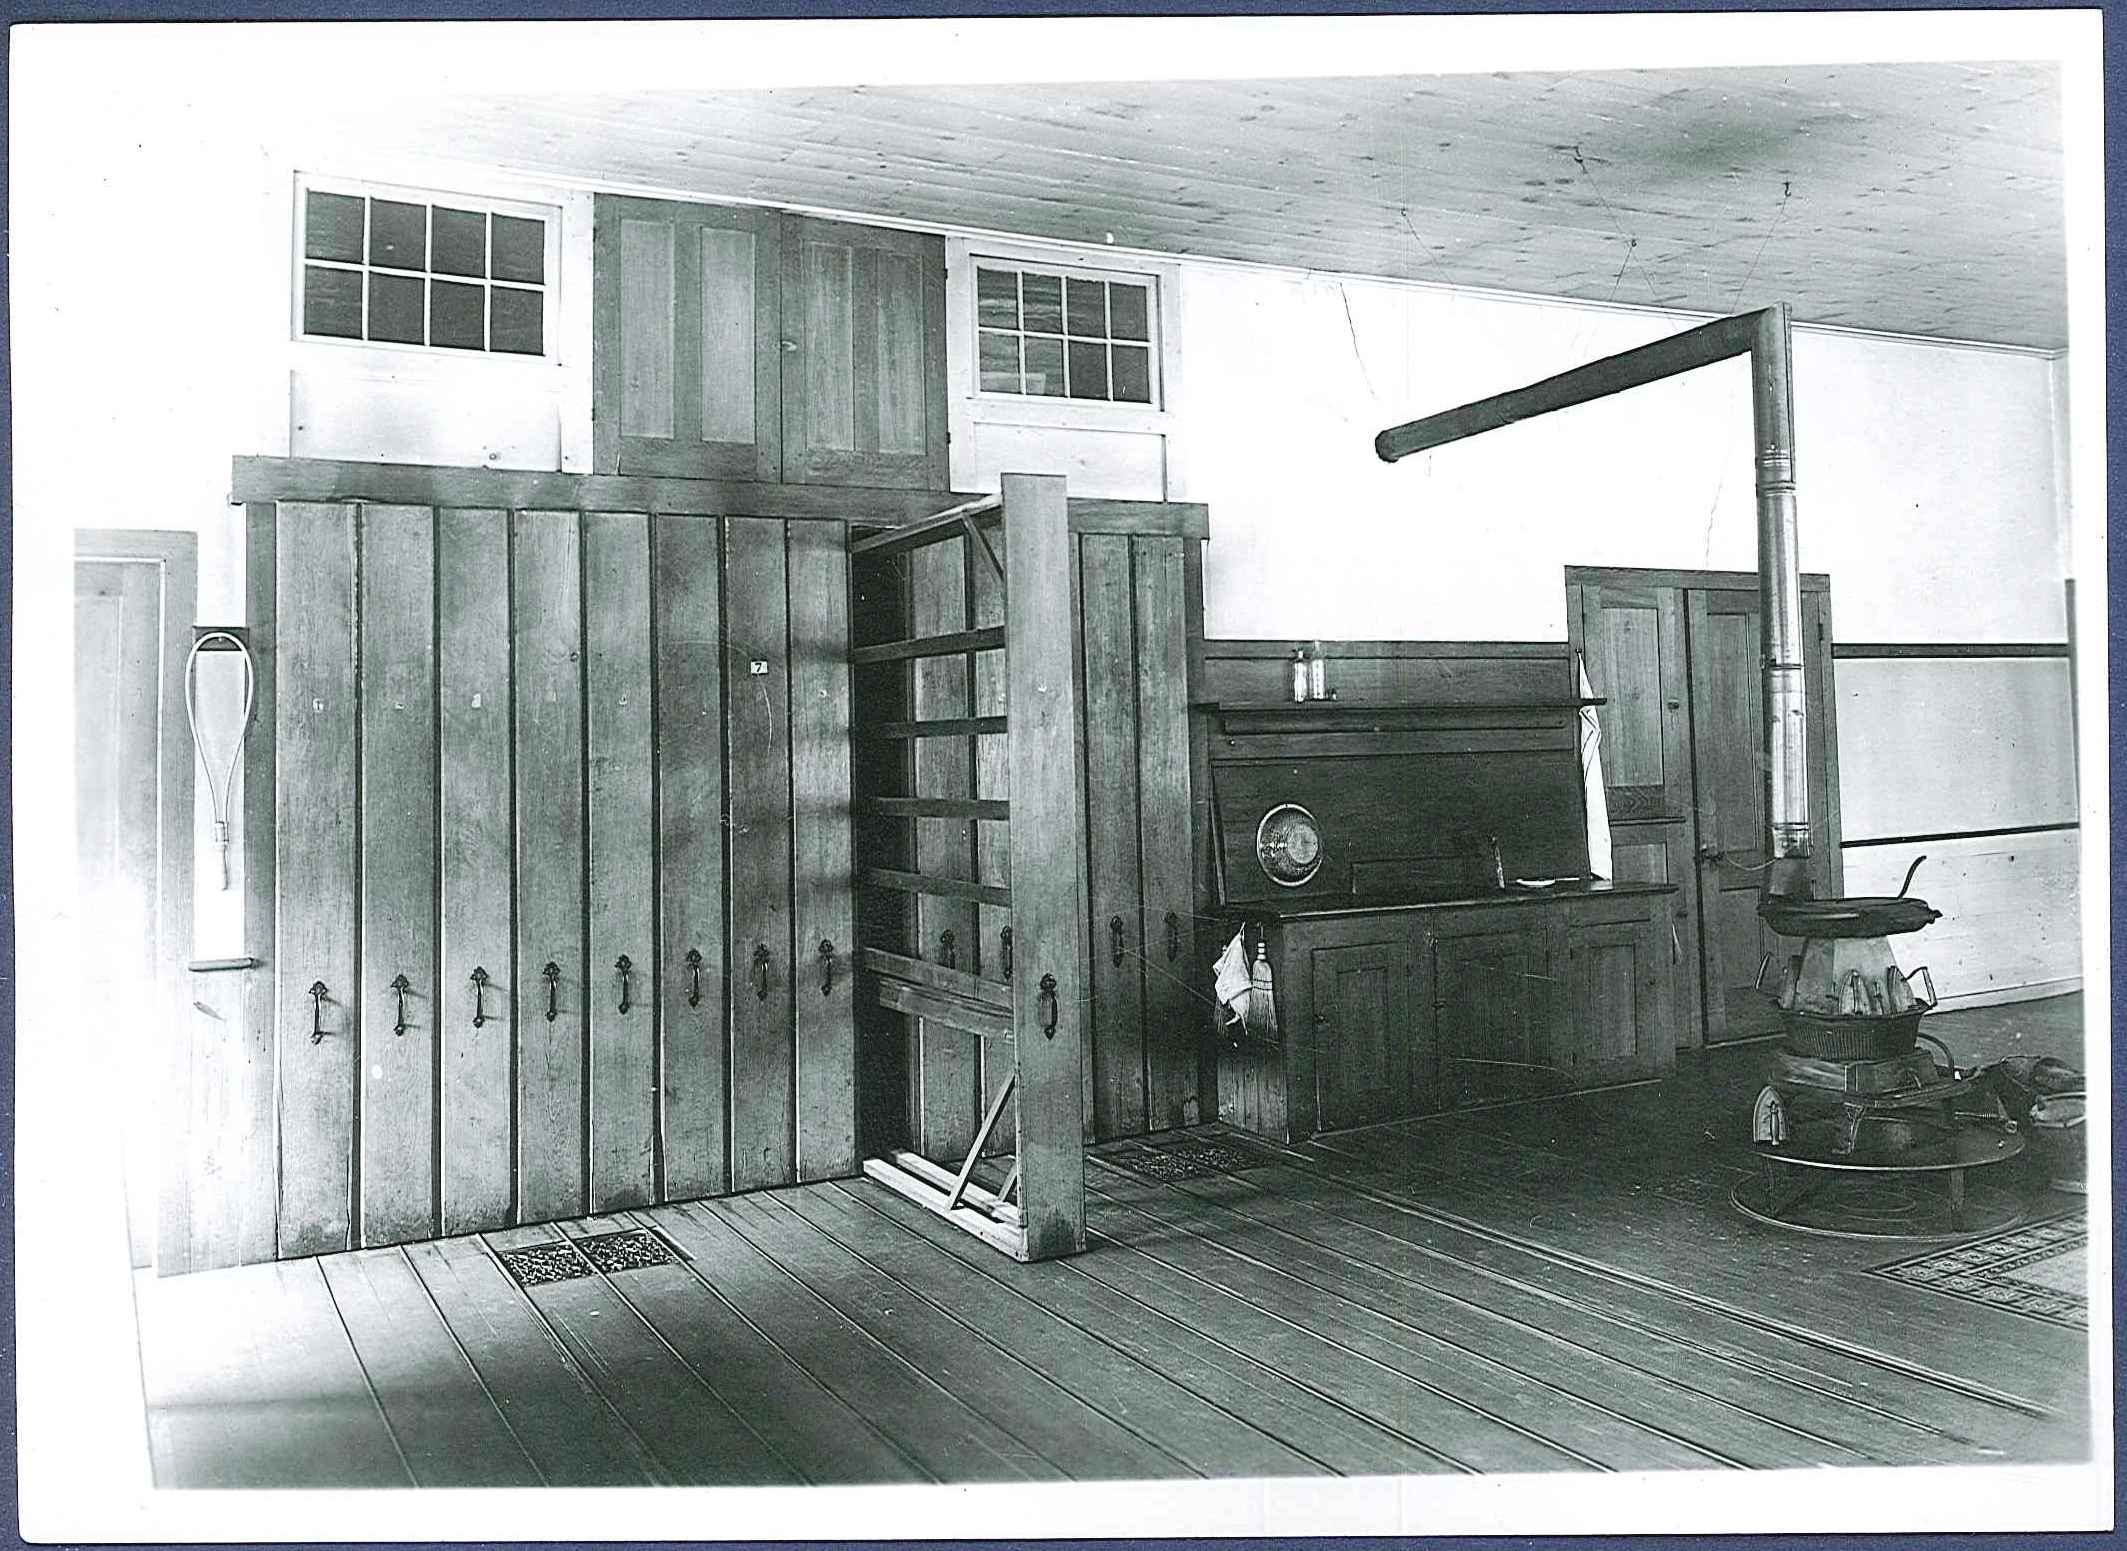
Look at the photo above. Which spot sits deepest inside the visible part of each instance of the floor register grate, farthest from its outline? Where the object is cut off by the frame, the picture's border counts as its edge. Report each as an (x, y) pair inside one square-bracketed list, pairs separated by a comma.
[(1194, 1158), (564, 1260)]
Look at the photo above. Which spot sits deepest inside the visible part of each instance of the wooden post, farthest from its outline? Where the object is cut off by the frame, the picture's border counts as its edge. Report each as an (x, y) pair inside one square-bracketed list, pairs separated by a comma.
[(1048, 864)]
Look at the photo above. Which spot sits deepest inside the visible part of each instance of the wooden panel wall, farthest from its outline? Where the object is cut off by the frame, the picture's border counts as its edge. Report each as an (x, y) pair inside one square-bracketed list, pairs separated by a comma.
[(1176, 1006), (474, 822), (757, 722), (398, 904), (546, 621), (622, 974), (993, 852), (1115, 1078), (825, 962), (315, 825), (690, 858)]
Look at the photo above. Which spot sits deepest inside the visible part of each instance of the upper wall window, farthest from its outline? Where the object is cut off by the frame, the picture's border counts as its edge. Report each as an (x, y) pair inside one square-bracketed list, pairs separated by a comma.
[(1068, 335), (445, 273)]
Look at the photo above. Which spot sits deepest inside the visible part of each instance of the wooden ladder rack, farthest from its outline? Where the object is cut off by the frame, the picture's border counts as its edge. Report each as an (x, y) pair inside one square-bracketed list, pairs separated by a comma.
[(1023, 1008)]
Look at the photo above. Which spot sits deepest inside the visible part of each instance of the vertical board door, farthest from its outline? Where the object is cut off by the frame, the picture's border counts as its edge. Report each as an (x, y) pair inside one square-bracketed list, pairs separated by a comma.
[(475, 1008), (691, 998), (686, 340), (316, 876), (757, 731), (1614, 975), (399, 1026), (864, 382), (1631, 636), (552, 976), (1173, 1014), (945, 1064), (825, 956), (622, 976), (1116, 1069), (1728, 766), (1362, 1028)]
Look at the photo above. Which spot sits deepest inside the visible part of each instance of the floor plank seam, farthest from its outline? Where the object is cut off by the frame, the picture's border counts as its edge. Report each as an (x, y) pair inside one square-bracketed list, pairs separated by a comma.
[(991, 1342), (1949, 1382), (701, 1381), (1483, 1359), (479, 1378), (1538, 1332), (653, 1463), (1742, 1362), (317, 1268), (693, 1270), (1430, 1449), (1224, 1410), (887, 1351)]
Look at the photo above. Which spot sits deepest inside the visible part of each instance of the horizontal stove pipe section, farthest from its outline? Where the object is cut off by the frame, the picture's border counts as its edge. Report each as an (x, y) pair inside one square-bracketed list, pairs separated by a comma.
[(1764, 336)]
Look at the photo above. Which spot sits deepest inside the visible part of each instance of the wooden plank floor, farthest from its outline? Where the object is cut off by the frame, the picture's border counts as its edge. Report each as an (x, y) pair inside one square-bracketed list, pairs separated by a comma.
[(1556, 1287)]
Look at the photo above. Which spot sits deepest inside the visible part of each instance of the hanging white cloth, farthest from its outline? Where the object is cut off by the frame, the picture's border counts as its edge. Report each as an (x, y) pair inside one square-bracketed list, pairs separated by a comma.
[(1591, 778), (1229, 980)]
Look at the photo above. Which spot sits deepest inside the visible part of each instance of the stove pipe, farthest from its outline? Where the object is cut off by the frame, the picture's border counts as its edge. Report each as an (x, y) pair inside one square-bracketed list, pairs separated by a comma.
[(1764, 335), (1786, 707)]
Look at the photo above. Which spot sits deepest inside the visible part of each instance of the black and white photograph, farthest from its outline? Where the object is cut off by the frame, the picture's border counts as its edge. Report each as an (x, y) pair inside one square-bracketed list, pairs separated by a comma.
[(1105, 776)]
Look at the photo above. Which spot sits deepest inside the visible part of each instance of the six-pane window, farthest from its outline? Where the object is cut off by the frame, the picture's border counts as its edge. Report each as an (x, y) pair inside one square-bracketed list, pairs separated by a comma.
[(401, 272), (1052, 335)]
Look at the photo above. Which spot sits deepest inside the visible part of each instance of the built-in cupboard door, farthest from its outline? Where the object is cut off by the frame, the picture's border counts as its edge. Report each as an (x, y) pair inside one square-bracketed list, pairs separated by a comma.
[(1631, 636), (686, 340), (1363, 1033), (864, 341)]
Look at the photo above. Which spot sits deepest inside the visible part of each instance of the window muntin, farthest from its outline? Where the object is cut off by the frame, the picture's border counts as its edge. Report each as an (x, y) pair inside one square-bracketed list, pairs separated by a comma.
[(1049, 334), (450, 276)]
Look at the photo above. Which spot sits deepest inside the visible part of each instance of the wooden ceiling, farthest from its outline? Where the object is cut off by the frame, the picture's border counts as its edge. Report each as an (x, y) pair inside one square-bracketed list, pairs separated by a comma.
[(1920, 199)]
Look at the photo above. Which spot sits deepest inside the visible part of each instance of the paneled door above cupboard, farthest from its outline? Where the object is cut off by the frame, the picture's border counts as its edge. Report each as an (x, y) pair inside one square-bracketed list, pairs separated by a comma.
[(748, 344)]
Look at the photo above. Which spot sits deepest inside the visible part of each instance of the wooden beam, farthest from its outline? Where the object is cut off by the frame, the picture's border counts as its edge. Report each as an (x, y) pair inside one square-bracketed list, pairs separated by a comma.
[(1701, 346), (943, 888), (1005, 1236), (946, 645), (990, 1201), (1145, 519), (934, 727), (937, 529), (993, 994), (936, 807), (913, 1001), (982, 1135)]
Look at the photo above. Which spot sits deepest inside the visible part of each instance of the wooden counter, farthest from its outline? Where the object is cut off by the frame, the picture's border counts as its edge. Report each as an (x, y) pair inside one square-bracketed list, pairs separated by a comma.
[(1401, 1007)]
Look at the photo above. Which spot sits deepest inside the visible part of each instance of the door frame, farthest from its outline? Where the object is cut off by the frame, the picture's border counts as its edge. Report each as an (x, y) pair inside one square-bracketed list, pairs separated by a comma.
[(174, 555), (1823, 724)]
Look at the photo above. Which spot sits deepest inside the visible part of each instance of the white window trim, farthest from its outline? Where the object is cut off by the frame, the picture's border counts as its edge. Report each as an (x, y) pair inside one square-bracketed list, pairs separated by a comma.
[(391, 355), (962, 254)]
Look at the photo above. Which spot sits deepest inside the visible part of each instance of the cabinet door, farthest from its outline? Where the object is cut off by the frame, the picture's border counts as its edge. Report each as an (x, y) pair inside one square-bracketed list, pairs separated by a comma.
[(686, 340), (1492, 1003), (624, 976), (1174, 1015), (551, 979), (757, 785), (1361, 1029), (400, 1028), (864, 332), (314, 828), (1617, 1024)]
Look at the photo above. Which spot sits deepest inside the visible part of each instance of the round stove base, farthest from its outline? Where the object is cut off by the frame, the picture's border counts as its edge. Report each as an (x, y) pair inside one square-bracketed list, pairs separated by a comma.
[(1926, 1198)]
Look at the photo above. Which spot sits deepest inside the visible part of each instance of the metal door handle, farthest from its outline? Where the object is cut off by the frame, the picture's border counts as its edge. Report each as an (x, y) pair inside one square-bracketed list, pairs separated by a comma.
[(694, 977), (625, 968), (827, 966), (317, 1011), (760, 970), (1174, 936), (1004, 945), (948, 949), (552, 976), (401, 985), (479, 996), (1708, 853), (1115, 941), (1045, 1006)]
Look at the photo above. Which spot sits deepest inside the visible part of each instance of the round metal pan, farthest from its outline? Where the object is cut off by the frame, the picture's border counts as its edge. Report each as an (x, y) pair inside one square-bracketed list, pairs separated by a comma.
[(1851, 915)]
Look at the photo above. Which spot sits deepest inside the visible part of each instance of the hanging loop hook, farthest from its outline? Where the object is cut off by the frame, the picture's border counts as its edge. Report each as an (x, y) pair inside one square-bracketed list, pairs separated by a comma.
[(625, 968), (1045, 1006), (551, 974), (694, 977), (317, 1011), (479, 996), (400, 986), (827, 967), (761, 959)]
